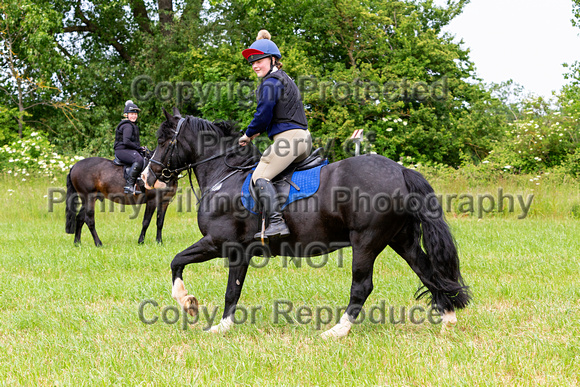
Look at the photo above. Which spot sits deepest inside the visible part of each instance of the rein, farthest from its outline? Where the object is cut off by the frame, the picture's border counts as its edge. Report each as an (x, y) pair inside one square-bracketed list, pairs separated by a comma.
[(167, 173)]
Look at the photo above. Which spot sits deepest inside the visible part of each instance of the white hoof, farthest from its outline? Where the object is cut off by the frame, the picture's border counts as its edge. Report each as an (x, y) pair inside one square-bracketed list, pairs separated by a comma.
[(339, 330), (190, 305), (448, 321), (224, 326), (187, 302)]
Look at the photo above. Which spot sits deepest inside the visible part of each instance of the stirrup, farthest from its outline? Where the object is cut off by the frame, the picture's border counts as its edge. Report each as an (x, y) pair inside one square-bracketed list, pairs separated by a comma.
[(130, 189), (277, 230)]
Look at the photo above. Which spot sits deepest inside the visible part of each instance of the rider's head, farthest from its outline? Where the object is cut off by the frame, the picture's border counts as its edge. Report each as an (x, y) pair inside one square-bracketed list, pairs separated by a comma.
[(131, 110), (263, 48)]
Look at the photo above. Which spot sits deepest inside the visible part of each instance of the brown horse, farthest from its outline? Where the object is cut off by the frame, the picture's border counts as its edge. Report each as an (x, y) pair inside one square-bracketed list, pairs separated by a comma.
[(98, 178)]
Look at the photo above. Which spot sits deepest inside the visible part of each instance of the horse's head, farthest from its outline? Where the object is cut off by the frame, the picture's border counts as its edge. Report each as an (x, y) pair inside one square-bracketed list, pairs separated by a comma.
[(183, 143), (162, 164)]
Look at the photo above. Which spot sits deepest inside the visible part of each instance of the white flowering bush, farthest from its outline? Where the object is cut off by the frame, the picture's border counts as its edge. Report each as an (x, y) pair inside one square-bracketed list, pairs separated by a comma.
[(572, 164), (33, 156), (541, 140)]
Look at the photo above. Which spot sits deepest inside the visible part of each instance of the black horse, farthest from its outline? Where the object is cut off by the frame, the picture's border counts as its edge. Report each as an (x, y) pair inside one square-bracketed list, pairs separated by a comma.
[(98, 178), (413, 223)]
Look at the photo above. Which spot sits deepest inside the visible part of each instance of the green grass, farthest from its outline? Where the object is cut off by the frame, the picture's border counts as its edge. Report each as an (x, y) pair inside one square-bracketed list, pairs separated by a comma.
[(69, 314)]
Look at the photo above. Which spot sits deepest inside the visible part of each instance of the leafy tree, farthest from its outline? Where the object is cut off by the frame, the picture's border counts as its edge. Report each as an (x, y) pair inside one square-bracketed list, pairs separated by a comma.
[(385, 67), (574, 69), (26, 54), (570, 102), (382, 66), (108, 45)]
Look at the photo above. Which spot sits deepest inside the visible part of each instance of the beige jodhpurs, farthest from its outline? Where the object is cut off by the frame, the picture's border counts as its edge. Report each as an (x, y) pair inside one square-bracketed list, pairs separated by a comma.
[(290, 146)]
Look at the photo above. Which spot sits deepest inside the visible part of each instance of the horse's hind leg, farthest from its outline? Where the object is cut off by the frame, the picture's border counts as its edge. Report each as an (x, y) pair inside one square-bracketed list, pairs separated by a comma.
[(149, 209), (80, 221), (238, 269), (90, 220), (363, 259), (404, 245)]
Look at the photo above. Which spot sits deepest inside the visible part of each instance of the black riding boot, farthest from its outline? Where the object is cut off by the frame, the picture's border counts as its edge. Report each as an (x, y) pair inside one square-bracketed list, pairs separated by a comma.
[(131, 179), (269, 203)]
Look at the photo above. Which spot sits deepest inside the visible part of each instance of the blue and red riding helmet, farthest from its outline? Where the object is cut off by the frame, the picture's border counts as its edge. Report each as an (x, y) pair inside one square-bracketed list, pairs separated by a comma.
[(263, 47)]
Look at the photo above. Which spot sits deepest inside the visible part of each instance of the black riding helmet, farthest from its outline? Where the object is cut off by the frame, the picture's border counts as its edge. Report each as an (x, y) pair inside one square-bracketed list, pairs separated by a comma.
[(130, 107)]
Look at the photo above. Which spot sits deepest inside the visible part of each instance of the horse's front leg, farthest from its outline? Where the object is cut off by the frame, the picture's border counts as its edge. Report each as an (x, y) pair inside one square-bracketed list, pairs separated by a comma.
[(149, 209), (238, 270), (161, 211), (201, 251)]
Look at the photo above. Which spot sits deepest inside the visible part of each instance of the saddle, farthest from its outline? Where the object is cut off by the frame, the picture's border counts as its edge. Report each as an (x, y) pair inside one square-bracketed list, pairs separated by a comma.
[(298, 181), (127, 167), (314, 160)]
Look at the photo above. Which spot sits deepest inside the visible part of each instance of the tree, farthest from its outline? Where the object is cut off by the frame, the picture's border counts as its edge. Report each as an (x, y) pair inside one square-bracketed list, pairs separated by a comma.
[(382, 66), (385, 67), (574, 69), (109, 44), (25, 49)]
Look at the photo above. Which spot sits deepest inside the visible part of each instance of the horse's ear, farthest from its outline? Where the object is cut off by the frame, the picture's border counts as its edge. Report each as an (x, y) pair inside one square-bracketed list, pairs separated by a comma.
[(176, 112), (167, 115)]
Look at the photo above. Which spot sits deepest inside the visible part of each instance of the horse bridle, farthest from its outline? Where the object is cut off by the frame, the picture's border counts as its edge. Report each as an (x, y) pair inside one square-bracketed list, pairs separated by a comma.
[(168, 174)]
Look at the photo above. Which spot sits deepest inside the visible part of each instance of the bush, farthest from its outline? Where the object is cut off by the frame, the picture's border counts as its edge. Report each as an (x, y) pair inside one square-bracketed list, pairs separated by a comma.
[(34, 156), (8, 125), (541, 139), (572, 164)]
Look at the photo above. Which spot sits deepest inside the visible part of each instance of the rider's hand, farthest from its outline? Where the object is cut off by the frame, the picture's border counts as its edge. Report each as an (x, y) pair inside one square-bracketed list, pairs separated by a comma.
[(244, 140)]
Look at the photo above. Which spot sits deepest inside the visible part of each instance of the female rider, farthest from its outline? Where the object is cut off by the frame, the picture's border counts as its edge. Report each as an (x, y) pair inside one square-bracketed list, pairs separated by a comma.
[(128, 147), (280, 113)]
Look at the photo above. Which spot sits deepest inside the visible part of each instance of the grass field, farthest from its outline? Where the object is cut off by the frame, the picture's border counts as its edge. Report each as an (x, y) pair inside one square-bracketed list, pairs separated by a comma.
[(70, 315)]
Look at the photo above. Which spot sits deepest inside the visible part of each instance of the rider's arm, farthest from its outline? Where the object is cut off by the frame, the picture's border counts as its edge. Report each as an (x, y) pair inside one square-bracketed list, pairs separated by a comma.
[(270, 91)]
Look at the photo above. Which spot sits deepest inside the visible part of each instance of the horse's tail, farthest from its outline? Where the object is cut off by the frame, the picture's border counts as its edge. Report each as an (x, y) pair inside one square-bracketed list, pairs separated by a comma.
[(71, 205), (431, 233)]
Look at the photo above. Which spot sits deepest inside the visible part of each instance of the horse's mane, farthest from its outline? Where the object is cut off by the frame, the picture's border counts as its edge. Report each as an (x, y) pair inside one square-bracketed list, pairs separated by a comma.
[(198, 125)]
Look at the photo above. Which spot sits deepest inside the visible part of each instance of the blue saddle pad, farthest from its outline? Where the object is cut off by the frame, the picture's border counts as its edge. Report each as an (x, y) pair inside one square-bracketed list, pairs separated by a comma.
[(307, 181)]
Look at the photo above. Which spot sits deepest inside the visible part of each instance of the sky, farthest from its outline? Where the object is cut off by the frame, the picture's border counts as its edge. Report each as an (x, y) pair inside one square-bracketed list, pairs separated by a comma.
[(527, 41)]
